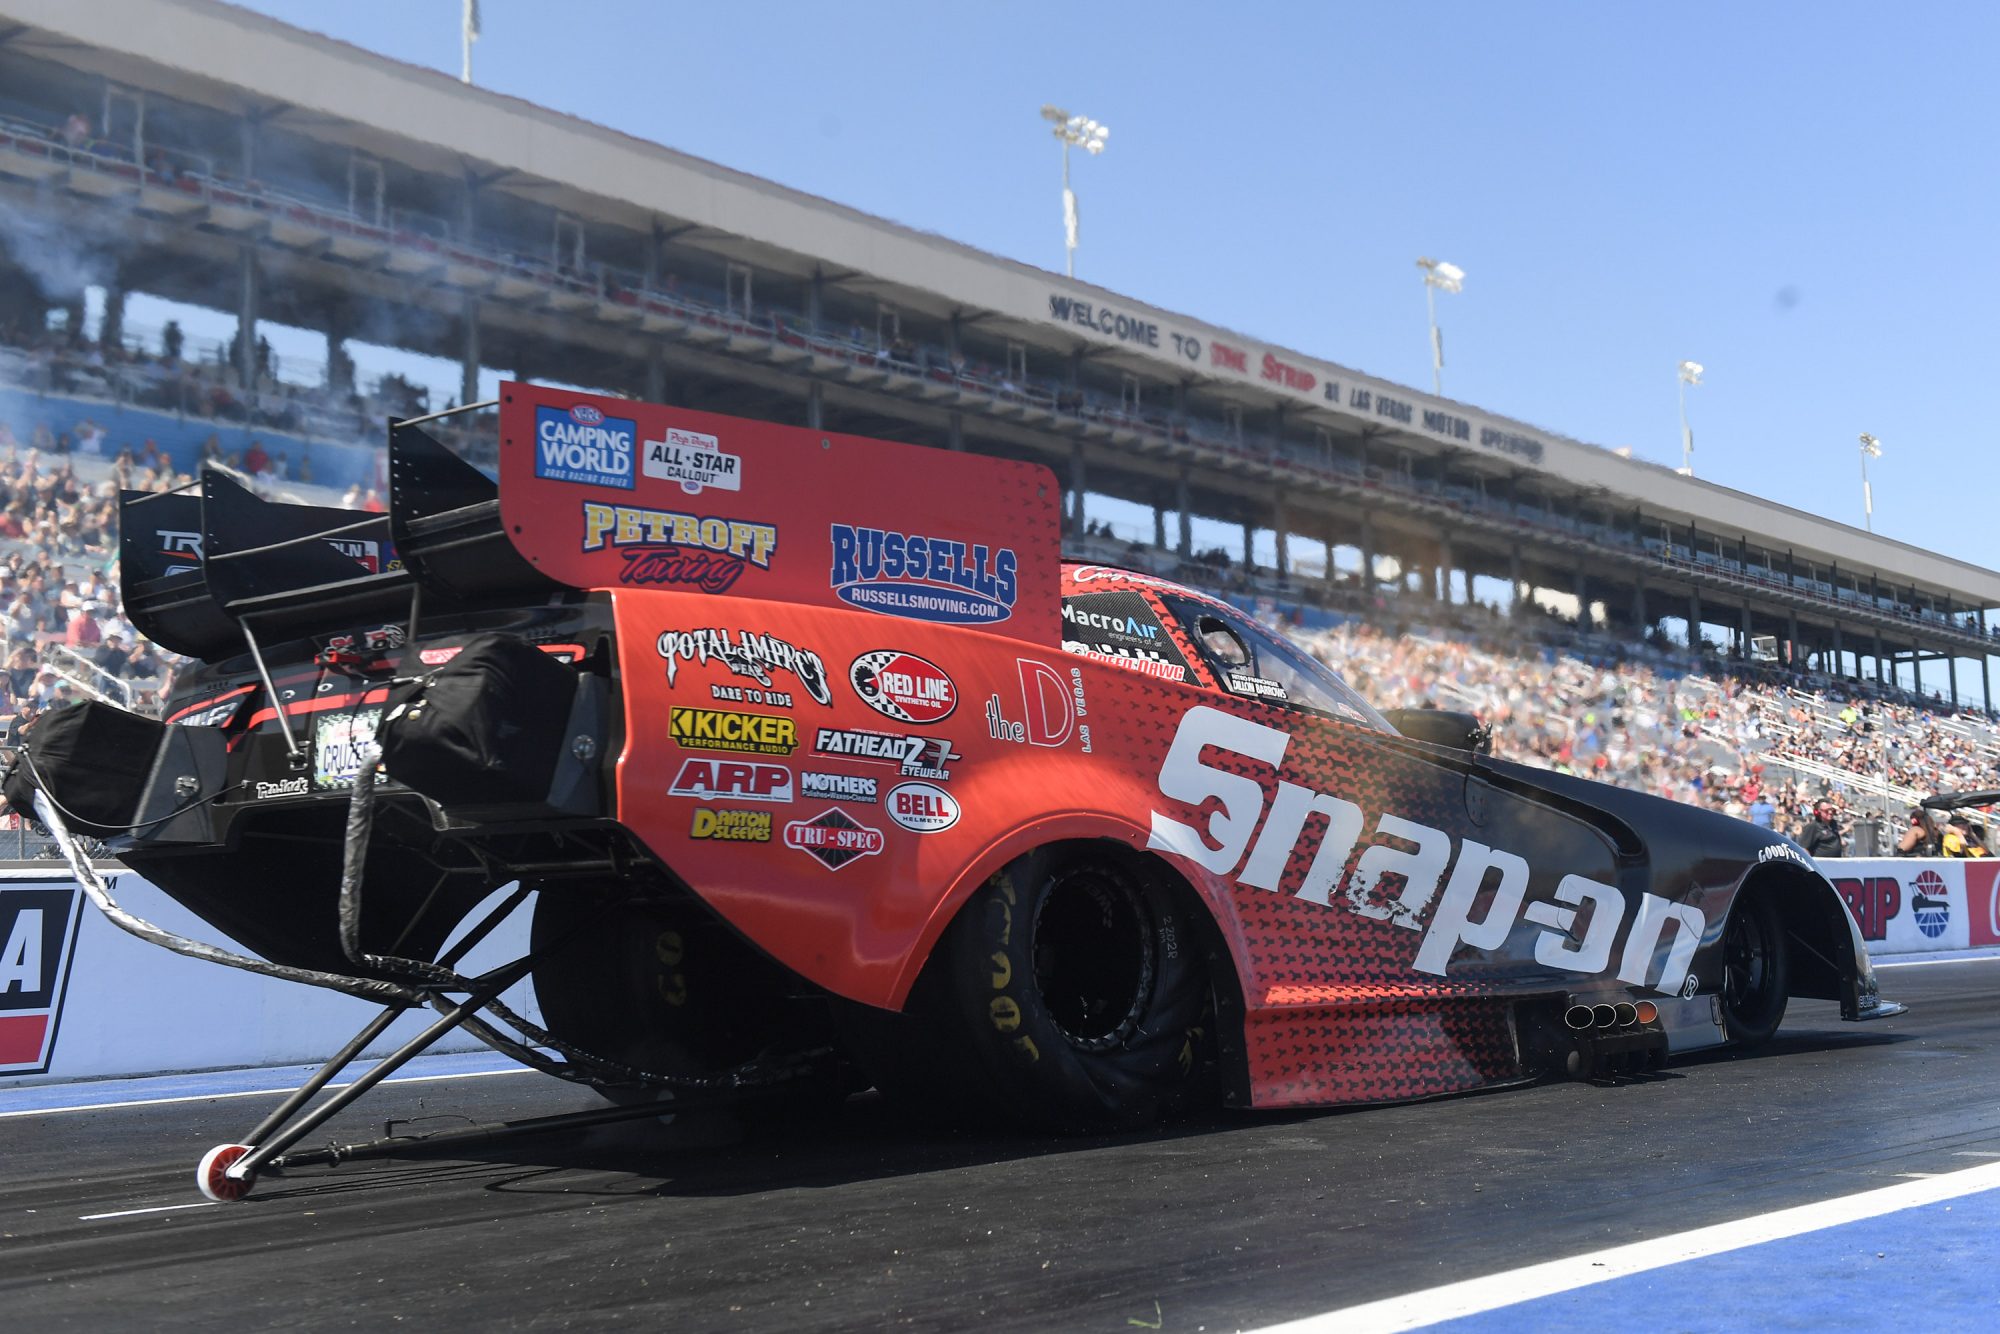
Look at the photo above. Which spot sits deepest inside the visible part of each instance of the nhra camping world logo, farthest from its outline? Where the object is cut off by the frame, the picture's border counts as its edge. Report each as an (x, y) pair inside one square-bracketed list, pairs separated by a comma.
[(1929, 905), (581, 444), (38, 924), (903, 686), (662, 547), (748, 655), (923, 578)]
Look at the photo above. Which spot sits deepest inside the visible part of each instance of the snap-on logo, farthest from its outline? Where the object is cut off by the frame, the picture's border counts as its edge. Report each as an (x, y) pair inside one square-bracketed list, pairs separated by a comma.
[(903, 686), (1580, 921), (38, 925)]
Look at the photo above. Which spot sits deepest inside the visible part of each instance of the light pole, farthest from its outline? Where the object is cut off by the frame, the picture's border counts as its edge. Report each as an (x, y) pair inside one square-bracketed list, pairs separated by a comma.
[(1690, 374), (1871, 448), (1438, 276), (1075, 132)]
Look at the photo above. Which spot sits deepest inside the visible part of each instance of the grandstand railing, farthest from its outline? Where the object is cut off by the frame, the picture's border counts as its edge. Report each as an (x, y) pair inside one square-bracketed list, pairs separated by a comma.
[(408, 241)]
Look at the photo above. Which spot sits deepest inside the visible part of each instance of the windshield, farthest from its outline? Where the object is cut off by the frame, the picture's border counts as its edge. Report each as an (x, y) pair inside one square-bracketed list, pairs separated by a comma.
[(1250, 660)]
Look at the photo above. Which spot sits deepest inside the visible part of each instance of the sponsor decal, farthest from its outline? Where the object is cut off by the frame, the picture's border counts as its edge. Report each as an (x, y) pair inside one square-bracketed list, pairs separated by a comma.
[(581, 444), (1874, 900), (859, 788), (1579, 924), (746, 654), (923, 578), (725, 729), (1928, 903), (663, 547), (1257, 687), (339, 741), (1153, 667), (284, 787), (213, 715), (922, 808), (731, 826), (903, 686), (834, 837), (1772, 852), (364, 552), (377, 640), (916, 756), (694, 460), (438, 657), (1982, 901), (1121, 629), (1051, 707), (1086, 574), (38, 926), (181, 547), (743, 780)]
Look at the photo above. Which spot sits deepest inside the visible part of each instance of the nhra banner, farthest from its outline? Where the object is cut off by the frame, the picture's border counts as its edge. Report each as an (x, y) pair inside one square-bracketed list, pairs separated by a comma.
[(1908, 905), (81, 999)]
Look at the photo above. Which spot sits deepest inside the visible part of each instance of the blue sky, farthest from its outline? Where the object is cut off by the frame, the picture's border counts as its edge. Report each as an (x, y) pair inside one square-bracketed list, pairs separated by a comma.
[(1800, 196)]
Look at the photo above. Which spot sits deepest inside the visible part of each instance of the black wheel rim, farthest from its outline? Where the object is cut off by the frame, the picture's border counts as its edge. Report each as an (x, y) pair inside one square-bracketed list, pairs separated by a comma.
[(1093, 958), (1747, 964)]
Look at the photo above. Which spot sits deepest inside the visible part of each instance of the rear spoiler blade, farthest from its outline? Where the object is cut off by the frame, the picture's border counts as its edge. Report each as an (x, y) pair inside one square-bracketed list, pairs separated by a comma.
[(198, 566)]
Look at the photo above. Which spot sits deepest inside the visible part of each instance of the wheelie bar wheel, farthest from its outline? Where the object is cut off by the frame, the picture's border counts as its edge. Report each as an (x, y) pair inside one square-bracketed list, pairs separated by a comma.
[(213, 1174)]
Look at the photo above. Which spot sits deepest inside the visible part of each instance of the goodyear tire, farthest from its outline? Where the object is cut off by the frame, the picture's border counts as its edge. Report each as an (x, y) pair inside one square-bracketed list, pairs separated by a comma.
[(1072, 992), (1756, 970)]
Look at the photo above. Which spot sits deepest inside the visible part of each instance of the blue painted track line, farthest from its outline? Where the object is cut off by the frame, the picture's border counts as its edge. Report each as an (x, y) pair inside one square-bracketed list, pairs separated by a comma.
[(1928, 1267)]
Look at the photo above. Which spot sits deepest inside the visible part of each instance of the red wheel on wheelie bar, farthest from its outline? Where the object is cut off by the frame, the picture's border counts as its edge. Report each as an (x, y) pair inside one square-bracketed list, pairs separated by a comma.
[(213, 1174)]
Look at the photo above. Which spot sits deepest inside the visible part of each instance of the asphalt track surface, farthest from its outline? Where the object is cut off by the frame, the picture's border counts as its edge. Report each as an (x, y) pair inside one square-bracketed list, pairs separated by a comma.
[(861, 1219)]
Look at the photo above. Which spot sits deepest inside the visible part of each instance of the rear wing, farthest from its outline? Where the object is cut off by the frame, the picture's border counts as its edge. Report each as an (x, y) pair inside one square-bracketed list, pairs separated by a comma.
[(604, 493)]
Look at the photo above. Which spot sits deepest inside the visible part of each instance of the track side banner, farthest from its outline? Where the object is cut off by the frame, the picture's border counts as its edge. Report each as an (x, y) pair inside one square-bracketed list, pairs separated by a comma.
[(1907, 905), (609, 493), (81, 999)]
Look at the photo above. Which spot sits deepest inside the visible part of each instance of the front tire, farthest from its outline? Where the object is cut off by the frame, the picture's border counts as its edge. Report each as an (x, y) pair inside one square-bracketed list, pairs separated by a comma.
[(1072, 992), (1756, 971)]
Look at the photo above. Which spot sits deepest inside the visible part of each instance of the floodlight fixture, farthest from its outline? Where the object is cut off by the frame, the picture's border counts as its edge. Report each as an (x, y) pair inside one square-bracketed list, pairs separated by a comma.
[(1073, 131), (1438, 276)]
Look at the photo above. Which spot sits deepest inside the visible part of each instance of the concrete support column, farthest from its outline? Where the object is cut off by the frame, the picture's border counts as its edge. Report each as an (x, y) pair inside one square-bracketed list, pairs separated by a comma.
[(1694, 620), (1878, 657), (1985, 685), (816, 406), (1518, 607), (1160, 527), (1792, 642), (246, 318), (1332, 539), (1181, 504), (1249, 548), (1639, 623), (1444, 568), (813, 290), (1582, 587), (656, 376), (111, 333), (1079, 481), (1951, 675), (1279, 524), (1367, 555), (1748, 631), (1837, 651), (955, 432), (468, 358)]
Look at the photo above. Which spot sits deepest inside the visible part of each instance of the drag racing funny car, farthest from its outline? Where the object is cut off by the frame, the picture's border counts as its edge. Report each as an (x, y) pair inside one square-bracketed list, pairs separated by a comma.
[(818, 767)]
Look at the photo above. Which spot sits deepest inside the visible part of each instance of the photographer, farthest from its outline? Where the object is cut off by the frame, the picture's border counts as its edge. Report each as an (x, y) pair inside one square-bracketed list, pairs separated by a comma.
[(1822, 837)]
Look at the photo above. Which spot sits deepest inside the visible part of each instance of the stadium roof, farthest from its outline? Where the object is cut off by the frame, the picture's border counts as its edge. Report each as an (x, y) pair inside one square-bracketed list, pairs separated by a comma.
[(223, 56)]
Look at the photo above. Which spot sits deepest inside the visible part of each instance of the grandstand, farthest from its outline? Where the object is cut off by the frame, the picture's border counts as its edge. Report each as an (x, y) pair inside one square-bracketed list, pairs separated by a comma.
[(203, 154)]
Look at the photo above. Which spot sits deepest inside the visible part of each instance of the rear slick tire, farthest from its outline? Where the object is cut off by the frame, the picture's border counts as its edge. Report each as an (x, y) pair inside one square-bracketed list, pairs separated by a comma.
[(1756, 971), (1072, 993)]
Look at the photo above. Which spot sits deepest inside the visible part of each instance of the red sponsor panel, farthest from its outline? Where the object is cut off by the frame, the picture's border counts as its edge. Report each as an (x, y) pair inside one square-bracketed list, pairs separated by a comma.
[(607, 493), (21, 1038), (1982, 901), (903, 686)]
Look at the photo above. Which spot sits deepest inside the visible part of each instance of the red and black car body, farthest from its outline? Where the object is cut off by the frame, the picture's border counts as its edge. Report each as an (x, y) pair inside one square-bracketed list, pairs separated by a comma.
[(834, 756)]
